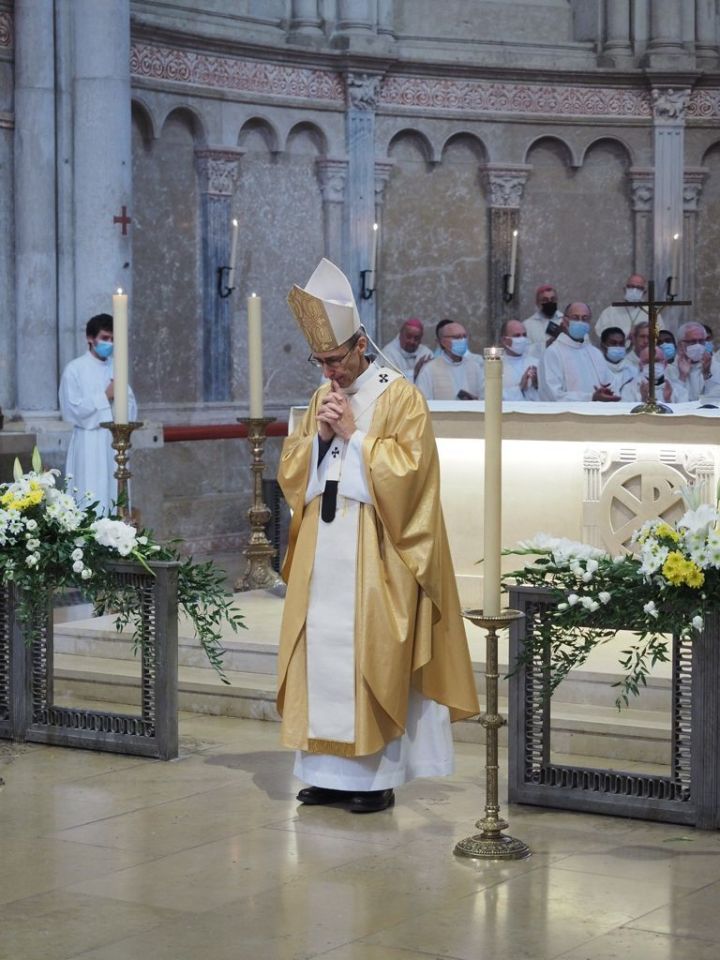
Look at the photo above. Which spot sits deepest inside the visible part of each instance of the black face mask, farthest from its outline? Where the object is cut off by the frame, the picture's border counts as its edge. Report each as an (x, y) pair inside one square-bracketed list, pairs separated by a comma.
[(549, 309)]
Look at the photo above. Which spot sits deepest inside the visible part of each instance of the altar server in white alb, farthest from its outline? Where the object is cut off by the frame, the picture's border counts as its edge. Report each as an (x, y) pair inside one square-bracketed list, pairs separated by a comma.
[(406, 350), (373, 662), (571, 369), (86, 396)]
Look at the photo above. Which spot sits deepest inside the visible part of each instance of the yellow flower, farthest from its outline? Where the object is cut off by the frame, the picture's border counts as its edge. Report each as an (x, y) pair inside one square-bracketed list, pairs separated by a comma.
[(665, 530), (677, 570), (694, 577)]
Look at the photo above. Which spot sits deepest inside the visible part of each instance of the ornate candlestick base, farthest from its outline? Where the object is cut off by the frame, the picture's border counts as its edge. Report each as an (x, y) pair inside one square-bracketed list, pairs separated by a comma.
[(259, 573), (121, 433), (491, 843), (652, 406)]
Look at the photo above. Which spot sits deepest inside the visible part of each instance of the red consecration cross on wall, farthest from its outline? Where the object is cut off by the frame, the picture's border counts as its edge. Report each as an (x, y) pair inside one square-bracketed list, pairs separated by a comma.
[(124, 219)]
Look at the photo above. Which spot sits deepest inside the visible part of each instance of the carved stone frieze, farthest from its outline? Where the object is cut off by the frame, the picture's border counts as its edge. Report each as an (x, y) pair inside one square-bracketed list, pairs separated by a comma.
[(362, 90), (670, 105), (6, 29), (505, 185)]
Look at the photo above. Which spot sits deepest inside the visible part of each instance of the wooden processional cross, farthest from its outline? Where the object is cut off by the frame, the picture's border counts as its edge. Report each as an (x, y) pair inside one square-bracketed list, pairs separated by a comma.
[(654, 307)]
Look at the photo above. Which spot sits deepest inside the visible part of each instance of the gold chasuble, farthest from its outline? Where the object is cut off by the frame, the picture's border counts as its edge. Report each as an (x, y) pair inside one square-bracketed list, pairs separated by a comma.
[(408, 628)]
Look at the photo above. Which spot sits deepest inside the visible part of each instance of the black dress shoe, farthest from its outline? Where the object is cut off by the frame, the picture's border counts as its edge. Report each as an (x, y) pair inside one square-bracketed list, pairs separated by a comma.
[(371, 801), (322, 795)]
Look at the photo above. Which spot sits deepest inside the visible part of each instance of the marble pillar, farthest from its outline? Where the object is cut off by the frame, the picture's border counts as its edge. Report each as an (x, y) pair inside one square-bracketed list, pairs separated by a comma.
[(669, 107), (706, 44), (102, 161), (504, 185), (217, 176), (617, 39), (693, 183), (34, 189), (386, 18), (360, 208), (356, 16), (665, 46), (383, 169), (332, 175), (642, 182), (305, 19)]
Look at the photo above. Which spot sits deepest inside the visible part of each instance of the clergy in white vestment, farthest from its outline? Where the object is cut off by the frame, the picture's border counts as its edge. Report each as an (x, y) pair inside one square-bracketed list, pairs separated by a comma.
[(406, 349), (637, 390), (628, 315), (571, 368), (373, 662), (696, 366), (614, 348), (86, 395), (520, 376), (547, 313), (456, 374)]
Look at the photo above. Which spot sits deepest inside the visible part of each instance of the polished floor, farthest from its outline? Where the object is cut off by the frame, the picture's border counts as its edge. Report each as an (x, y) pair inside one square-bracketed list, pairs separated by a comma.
[(210, 858)]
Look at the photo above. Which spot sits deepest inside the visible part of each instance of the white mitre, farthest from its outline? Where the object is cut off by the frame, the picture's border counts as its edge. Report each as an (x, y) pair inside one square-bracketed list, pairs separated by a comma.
[(325, 309)]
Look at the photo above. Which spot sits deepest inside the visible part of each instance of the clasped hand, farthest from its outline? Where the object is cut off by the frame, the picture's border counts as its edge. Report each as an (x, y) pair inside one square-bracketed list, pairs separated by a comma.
[(335, 418)]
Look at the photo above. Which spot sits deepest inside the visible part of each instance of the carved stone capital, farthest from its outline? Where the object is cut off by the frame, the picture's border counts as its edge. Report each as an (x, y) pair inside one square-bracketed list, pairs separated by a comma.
[(218, 171), (383, 169), (642, 190), (362, 90), (693, 182), (505, 184), (332, 175), (670, 105)]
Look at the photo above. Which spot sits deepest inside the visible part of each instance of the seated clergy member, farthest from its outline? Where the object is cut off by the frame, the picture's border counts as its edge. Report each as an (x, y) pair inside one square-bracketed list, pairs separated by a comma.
[(628, 315), (639, 341), (407, 351), (455, 374), (520, 378), (637, 389), (696, 366), (571, 368), (612, 345), (536, 326), (373, 662)]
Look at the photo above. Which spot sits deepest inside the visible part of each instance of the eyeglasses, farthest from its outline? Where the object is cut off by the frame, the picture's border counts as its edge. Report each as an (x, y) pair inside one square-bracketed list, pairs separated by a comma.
[(332, 362), (692, 342)]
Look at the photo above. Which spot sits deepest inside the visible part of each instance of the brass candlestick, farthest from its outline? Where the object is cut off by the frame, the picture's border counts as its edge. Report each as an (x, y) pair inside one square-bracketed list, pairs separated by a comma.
[(491, 843), (259, 573), (121, 433)]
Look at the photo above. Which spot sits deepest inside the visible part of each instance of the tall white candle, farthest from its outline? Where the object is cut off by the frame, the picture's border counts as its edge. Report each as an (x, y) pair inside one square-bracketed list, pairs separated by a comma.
[(233, 253), (120, 356), (513, 263), (493, 481), (255, 361), (675, 265), (373, 254)]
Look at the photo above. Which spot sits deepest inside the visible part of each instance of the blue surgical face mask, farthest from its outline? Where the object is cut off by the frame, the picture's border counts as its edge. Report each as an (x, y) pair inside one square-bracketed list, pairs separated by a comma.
[(709, 346), (578, 329), (670, 351), (615, 354), (459, 347), (104, 349)]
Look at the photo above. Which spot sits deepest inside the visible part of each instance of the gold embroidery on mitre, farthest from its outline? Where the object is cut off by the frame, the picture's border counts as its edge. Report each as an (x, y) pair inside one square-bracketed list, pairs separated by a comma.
[(312, 318)]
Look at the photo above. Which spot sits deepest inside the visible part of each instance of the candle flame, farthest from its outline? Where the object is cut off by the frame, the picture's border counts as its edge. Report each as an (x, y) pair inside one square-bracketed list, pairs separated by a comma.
[(375, 226), (676, 236), (119, 291), (235, 221), (515, 233), (253, 294)]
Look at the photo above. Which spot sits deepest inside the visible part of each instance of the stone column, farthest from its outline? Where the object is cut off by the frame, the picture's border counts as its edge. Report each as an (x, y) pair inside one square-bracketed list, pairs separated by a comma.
[(305, 19), (332, 175), (669, 107), (617, 41), (665, 48), (8, 382), (356, 16), (706, 46), (693, 183), (383, 169), (642, 180), (386, 18), (360, 209), (217, 177), (34, 188), (504, 185), (102, 161)]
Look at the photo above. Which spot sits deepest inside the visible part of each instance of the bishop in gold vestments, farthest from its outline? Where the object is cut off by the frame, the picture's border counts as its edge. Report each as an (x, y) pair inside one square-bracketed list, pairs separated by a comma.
[(373, 660)]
